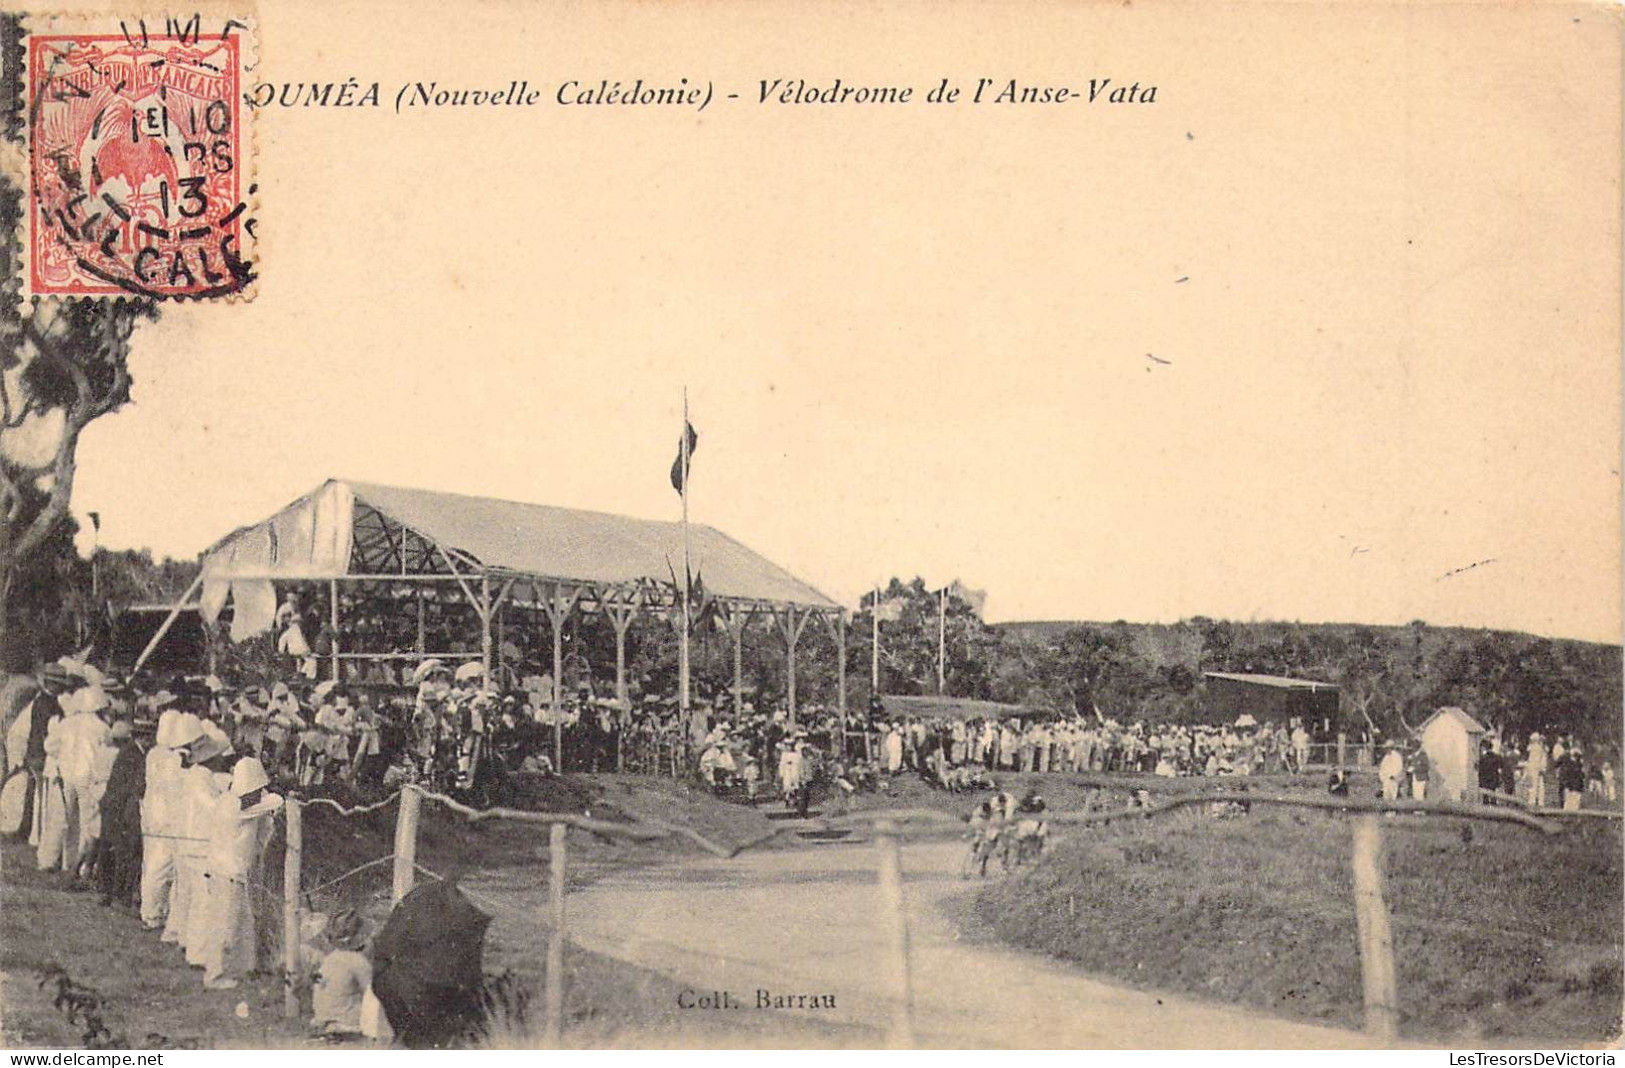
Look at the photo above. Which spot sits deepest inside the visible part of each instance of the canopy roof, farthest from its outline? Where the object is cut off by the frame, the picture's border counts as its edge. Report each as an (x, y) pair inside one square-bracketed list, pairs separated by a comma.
[(346, 528), (1278, 681)]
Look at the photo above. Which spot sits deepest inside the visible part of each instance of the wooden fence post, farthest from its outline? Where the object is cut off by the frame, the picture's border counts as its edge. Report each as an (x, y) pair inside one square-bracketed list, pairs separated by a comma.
[(900, 1034), (374, 1023), (554, 1035), (292, 866), (1342, 749), (406, 843), (1376, 939)]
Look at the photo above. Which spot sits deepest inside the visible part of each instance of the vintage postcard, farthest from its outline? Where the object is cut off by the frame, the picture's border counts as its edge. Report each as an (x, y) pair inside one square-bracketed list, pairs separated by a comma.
[(821, 525)]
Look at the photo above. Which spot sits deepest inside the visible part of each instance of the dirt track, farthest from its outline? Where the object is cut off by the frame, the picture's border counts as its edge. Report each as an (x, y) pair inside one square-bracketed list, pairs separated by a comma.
[(803, 921)]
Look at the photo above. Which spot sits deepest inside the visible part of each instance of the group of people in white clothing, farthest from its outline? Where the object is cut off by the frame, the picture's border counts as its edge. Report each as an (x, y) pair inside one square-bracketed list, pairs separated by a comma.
[(173, 817), (205, 818)]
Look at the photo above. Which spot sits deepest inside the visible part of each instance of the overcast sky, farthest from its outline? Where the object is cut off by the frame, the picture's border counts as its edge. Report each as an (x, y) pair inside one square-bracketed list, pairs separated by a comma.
[(1327, 325)]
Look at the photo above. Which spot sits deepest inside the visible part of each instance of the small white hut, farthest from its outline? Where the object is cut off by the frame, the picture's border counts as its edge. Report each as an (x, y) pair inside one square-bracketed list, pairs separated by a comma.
[(1451, 738)]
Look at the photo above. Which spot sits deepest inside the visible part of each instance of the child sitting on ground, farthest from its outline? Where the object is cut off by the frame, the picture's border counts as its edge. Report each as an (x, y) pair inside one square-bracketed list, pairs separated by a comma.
[(343, 978)]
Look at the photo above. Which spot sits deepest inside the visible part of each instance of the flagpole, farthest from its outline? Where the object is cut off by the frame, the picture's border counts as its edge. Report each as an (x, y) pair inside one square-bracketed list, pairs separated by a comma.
[(874, 645), (682, 661), (942, 641)]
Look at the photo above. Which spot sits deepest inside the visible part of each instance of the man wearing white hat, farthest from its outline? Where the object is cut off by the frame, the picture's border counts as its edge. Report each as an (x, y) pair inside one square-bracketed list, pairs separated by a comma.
[(241, 824), (203, 790), (83, 736), (184, 827), (338, 724), (430, 679), (53, 839), (471, 704), (157, 816), (1535, 768)]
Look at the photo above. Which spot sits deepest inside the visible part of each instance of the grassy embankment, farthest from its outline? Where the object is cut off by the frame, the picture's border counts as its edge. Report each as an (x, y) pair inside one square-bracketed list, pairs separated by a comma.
[(149, 997), (1500, 934)]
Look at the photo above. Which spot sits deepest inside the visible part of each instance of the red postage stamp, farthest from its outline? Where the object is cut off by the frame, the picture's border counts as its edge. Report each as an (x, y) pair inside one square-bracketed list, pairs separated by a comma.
[(139, 159)]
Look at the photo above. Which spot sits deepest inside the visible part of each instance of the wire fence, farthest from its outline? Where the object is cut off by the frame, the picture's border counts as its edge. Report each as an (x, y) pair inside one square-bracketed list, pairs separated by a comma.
[(284, 910)]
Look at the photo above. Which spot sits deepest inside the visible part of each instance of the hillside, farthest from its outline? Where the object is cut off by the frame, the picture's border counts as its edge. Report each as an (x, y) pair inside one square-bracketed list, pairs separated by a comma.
[(1391, 676)]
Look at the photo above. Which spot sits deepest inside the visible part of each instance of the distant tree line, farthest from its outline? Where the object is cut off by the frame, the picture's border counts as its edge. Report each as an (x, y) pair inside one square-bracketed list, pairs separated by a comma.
[(1392, 678)]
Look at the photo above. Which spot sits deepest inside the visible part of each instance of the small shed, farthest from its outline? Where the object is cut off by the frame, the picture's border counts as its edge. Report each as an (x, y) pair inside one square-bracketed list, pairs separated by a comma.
[(1273, 699), (1451, 738)]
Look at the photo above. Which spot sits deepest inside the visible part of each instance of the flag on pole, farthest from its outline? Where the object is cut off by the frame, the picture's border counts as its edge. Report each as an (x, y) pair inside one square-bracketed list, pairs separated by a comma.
[(701, 605), (677, 465)]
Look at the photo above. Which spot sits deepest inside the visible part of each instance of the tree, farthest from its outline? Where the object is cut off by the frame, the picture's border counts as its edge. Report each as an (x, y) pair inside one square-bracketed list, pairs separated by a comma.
[(62, 367), (909, 643)]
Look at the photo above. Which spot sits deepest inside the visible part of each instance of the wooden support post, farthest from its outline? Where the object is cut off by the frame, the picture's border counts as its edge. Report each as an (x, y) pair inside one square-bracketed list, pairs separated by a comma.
[(790, 665), (558, 610), (1376, 938), (553, 1037), (502, 657), (292, 865), (736, 619), (423, 623), (837, 626), (893, 920), (169, 621), (621, 614), (1342, 748), (737, 633), (558, 682), (840, 670), (406, 843), (622, 696), (333, 625), (485, 626), (791, 627)]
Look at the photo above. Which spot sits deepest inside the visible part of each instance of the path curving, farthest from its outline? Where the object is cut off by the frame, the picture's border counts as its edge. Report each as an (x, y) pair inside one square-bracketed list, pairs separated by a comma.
[(803, 921)]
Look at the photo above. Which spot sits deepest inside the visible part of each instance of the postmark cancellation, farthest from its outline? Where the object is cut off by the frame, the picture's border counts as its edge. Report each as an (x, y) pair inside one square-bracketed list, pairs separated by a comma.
[(139, 156)]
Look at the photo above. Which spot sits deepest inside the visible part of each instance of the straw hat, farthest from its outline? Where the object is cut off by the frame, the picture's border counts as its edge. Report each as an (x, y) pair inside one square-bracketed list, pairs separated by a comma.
[(471, 670), (162, 698), (427, 668), (323, 689), (213, 743), (346, 929)]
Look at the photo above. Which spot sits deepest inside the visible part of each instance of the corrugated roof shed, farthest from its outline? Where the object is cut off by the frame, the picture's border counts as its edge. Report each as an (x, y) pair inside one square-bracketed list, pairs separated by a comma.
[(1281, 681)]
